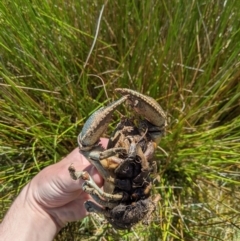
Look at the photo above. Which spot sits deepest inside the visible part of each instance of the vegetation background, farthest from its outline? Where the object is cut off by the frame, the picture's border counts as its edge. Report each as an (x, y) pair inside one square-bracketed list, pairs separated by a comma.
[(185, 54)]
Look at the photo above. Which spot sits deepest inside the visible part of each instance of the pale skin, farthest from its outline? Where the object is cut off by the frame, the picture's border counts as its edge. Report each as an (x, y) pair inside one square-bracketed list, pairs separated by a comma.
[(49, 201)]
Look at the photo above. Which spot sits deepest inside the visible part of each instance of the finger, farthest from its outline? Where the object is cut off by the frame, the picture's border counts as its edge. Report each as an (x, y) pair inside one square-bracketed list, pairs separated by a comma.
[(73, 210), (104, 142), (80, 163)]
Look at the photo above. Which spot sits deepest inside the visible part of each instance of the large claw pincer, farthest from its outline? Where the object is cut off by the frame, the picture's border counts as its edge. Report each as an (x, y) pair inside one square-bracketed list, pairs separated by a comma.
[(148, 108), (96, 125), (145, 106)]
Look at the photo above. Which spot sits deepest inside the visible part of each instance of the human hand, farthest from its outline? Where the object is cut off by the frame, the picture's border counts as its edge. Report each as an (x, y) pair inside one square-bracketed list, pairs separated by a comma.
[(50, 200), (58, 194)]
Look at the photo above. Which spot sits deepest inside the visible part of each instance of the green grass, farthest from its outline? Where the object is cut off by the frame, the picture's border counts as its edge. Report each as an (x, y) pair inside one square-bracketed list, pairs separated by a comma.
[(185, 54)]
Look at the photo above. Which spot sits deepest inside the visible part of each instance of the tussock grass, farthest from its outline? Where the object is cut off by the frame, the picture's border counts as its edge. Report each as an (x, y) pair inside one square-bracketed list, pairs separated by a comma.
[(185, 54)]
